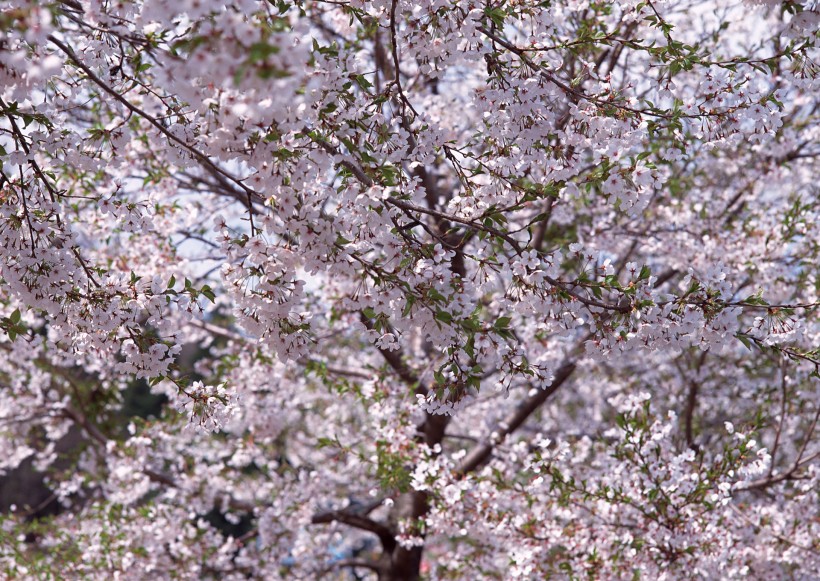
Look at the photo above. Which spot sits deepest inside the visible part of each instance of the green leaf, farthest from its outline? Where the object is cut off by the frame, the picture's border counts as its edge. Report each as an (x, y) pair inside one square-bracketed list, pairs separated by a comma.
[(645, 273), (471, 324), (502, 323), (209, 293), (444, 316), (410, 300), (496, 15), (469, 347), (261, 50), (362, 81)]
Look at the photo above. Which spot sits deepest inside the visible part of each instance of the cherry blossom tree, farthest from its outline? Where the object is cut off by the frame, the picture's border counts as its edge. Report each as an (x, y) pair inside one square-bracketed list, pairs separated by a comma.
[(468, 289)]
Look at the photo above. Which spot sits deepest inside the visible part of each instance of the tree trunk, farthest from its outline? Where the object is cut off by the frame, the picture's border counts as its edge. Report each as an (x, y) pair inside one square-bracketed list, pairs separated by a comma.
[(404, 564)]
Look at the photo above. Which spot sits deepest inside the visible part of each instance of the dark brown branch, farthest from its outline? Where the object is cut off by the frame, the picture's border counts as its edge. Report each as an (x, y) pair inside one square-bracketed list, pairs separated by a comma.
[(791, 472), (160, 478), (360, 522), (363, 563), (691, 404), (783, 401), (89, 428), (481, 453), (689, 414), (198, 155), (97, 436), (396, 360), (665, 276), (569, 90), (395, 53)]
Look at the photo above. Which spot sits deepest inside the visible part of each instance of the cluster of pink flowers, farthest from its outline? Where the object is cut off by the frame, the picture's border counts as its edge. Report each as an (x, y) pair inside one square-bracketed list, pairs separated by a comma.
[(448, 289)]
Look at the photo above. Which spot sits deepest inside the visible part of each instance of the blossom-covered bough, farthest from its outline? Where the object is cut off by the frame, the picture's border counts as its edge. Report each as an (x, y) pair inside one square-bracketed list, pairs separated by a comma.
[(440, 289)]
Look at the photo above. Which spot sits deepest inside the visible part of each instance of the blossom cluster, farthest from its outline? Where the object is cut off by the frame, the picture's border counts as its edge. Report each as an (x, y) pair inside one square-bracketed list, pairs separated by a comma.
[(440, 289)]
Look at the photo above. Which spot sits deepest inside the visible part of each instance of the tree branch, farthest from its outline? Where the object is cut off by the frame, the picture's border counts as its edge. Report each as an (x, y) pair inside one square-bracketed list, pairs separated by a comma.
[(481, 453), (201, 157), (360, 522), (365, 564)]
